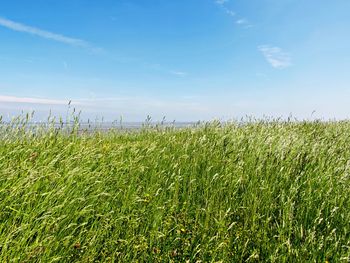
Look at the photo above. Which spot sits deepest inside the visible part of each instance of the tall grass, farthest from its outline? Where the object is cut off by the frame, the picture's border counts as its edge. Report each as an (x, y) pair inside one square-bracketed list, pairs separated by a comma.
[(268, 191)]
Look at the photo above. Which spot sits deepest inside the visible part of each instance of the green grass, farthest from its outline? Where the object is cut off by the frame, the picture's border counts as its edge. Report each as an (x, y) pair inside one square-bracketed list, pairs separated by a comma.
[(265, 191)]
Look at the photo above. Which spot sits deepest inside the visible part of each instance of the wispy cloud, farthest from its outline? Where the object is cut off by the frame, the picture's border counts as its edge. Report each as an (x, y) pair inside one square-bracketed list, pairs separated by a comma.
[(65, 64), (43, 33), (244, 23), (276, 56), (239, 21), (178, 73), (221, 2), (227, 10), (13, 99), (165, 70)]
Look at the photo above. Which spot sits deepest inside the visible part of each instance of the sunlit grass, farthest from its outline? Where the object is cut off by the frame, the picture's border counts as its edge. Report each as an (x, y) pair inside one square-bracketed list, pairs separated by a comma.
[(269, 191)]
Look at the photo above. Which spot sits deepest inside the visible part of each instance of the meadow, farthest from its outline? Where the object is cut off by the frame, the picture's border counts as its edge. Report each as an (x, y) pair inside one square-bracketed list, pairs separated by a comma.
[(258, 191)]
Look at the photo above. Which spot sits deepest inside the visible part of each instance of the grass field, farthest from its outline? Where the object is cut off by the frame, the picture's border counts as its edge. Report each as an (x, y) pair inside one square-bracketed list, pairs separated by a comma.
[(264, 191)]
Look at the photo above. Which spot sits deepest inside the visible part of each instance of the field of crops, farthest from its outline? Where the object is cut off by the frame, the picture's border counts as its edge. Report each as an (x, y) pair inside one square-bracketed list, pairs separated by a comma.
[(259, 191)]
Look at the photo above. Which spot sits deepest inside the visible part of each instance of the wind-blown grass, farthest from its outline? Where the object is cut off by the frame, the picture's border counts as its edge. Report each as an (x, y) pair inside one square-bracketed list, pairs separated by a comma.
[(263, 191)]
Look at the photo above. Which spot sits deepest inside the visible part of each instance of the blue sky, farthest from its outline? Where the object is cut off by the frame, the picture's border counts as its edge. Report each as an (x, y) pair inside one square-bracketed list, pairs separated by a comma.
[(186, 59)]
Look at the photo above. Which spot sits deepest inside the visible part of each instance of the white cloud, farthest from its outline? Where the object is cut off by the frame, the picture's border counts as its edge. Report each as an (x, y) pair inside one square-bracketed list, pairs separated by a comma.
[(227, 10), (42, 33), (275, 56), (230, 12), (221, 2), (178, 73), (244, 23), (13, 99), (241, 21)]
